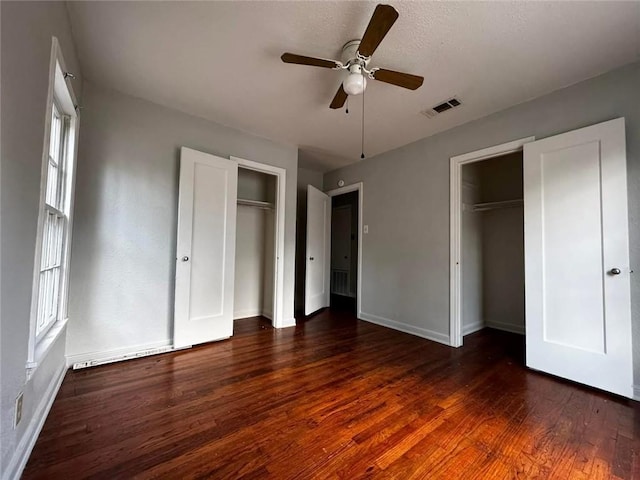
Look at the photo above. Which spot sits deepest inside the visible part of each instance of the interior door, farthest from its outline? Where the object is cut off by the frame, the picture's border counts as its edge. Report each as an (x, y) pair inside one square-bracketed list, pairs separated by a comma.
[(318, 261), (205, 248), (578, 317)]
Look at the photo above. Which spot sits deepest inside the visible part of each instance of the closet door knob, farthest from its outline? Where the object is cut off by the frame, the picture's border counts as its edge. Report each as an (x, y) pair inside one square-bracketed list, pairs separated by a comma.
[(185, 259), (615, 271)]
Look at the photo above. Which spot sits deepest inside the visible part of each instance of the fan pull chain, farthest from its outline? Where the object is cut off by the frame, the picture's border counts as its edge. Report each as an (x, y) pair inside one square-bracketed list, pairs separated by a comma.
[(347, 105), (362, 150)]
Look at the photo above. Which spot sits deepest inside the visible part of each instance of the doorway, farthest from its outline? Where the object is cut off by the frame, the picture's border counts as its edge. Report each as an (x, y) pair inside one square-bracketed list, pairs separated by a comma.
[(492, 250), (471, 200), (254, 279), (471, 196), (356, 250), (262, 187), (344, 252), (317, 287), (576, 253)]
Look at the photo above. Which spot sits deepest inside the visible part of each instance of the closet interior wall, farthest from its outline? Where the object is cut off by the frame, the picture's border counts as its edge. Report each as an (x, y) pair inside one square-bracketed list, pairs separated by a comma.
[(255, 244), (493, 245)]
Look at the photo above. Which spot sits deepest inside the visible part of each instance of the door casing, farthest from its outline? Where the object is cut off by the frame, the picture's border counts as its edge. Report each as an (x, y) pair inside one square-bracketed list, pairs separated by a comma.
[(455, 225), (278, 277), (359, 187)]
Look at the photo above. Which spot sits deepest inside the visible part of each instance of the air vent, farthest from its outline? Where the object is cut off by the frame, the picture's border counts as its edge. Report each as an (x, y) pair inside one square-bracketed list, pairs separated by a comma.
[(442, 107)]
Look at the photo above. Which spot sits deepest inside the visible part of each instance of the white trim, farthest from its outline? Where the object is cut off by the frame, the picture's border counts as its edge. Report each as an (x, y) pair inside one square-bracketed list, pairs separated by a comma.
[(506, 327), (359, 187), (92, 359), (248, 314), (44, 345), (472, 328), (281, 177), (21, 455), (455, 205), (291, 322), (406, 328)]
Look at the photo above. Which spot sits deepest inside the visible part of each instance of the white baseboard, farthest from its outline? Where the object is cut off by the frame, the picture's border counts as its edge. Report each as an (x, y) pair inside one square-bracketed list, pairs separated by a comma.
[(92, 359), (23, 451), (406, 328), (252, 313), (246, 314), (636, 392), (472, 328), (507, 327), (288, 322)]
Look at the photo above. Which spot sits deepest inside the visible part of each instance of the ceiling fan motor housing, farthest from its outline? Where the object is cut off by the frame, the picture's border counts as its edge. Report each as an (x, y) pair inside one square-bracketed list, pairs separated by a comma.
[(350, 54), (355, 82)]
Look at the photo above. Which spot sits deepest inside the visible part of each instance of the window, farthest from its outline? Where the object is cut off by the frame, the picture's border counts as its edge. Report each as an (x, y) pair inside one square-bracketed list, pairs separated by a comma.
[(54, 230), (49, 299)]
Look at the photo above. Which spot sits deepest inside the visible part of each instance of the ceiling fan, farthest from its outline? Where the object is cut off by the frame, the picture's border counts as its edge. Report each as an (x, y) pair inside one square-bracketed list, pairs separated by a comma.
[(356, 56)]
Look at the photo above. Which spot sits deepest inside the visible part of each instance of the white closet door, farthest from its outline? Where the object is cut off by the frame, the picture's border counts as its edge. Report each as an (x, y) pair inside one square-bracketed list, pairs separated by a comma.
[(205, 248), (316, 290), (578, 317)]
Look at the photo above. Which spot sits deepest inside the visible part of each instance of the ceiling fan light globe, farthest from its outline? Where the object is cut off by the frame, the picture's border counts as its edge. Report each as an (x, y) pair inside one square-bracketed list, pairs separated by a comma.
[(354, 84)]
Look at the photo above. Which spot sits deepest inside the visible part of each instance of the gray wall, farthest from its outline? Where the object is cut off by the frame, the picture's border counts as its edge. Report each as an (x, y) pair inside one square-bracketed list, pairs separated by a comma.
[(305, 177), (406, 198), (122, 269), (502, 244), (26, 29), (254, 185), (250, 276)]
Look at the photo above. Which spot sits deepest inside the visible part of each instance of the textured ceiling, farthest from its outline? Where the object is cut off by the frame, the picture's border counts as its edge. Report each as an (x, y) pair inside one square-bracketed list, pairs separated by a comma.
[(220, 61)]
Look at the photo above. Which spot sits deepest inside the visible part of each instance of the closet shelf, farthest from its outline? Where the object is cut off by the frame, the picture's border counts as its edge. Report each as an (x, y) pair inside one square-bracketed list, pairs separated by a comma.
[(482, 207), (256, 203)]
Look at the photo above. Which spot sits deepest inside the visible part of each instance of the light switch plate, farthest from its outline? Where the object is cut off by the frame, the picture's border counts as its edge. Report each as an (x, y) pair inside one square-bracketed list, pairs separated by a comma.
[(366, 229)]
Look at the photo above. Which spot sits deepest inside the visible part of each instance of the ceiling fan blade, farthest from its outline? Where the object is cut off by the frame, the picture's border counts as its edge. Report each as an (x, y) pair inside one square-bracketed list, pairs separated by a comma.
[(314, 62), (412, 82), (384, 16), (339, 99)]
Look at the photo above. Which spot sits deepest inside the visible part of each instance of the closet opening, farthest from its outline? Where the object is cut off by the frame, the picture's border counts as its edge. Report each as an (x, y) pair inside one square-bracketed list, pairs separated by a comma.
[(256, 241), (344, 251), (492, 245)]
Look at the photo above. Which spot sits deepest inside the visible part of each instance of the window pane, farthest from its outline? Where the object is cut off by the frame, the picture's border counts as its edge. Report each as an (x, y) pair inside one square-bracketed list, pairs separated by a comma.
[(49, 293), (52, 240), (52, 185), (51, 271), (54, 143)]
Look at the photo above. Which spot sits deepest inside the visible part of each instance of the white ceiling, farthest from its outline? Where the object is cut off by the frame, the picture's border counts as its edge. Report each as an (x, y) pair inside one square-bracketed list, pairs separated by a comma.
[(221, 61)]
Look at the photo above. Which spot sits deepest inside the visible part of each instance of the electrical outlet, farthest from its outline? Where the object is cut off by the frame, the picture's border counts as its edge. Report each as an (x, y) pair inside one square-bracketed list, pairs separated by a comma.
[(18, 410)]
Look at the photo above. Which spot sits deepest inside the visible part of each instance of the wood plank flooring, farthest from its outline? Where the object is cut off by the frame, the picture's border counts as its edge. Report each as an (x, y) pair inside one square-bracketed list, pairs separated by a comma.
[(334, 398)]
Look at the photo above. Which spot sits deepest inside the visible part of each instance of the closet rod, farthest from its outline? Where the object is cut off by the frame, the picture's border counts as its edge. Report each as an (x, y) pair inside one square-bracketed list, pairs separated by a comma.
[(483, 207), (256, 203)]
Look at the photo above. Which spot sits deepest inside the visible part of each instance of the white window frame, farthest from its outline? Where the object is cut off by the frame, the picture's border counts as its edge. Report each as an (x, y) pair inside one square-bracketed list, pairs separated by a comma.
[(62, 95)]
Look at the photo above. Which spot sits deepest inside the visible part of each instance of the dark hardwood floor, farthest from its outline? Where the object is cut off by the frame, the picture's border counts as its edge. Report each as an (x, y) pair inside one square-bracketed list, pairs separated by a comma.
[(334, 398)]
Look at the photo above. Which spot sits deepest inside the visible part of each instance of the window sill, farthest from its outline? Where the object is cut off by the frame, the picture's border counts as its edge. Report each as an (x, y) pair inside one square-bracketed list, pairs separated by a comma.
[(44, 345)]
